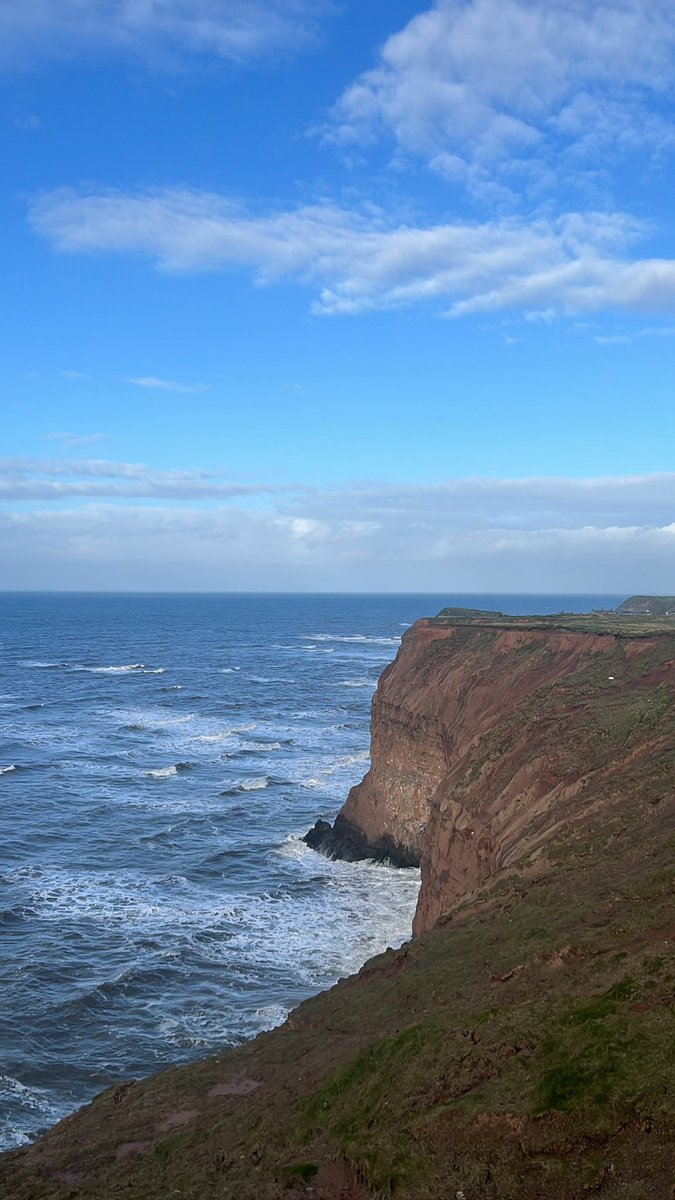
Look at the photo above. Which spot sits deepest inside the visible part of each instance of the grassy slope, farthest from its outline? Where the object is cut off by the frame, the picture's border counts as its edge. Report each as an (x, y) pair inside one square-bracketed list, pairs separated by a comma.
[(628, 625), (521, 1049)]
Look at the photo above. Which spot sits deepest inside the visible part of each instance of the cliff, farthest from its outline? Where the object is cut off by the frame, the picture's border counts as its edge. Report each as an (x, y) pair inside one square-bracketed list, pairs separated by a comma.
[(490, 734), (520, 1047), (649, 606)]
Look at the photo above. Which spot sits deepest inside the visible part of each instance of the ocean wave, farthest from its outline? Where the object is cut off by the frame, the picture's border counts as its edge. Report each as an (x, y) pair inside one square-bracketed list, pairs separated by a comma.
[(224, 735), (150, 718), (166, 772), (270, 679), (37, 664), (125, 899), (258, 784), (339, 764), (125, 669), (7, 770), (254, 785), (356, 638), (357, 683), (271, 1016), (31, 1103), (228, 670)]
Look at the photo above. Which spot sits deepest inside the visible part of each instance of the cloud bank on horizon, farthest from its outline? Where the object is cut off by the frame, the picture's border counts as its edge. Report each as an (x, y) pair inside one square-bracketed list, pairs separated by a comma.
[(462, 535), (491, 166)]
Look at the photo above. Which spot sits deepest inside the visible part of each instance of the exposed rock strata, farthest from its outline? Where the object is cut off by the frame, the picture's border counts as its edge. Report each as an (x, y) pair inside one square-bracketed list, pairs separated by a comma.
[(488, 737)]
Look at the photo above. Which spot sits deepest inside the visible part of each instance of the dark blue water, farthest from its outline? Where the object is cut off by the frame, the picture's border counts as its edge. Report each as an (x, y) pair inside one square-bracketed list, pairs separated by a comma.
[(159, 758)]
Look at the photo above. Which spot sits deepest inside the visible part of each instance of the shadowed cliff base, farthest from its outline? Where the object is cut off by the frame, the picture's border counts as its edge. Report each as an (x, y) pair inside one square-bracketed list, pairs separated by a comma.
[(520, 1048)]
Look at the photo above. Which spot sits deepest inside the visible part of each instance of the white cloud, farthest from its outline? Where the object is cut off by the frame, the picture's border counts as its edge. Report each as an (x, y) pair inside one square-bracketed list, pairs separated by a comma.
[(74, 375), (165, 32), (60, 479), (627, 339), (603, 535), (166, 385), (358, 260), (500, 89), (27, 123), (71, 440)]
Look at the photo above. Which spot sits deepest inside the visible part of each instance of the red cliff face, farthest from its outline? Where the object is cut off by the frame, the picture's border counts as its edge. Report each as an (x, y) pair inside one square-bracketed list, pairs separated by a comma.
[(487, 740)]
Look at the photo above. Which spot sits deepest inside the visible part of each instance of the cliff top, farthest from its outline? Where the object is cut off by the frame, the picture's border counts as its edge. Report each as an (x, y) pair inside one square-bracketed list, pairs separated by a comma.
[(642, 616)]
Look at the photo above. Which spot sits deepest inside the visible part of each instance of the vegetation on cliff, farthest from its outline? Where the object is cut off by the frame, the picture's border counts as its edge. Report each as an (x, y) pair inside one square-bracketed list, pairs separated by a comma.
[(518, 1049), (650, 606)]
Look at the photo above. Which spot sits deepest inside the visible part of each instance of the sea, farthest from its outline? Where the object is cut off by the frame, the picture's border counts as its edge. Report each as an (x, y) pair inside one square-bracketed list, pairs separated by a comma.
[(161, 757)]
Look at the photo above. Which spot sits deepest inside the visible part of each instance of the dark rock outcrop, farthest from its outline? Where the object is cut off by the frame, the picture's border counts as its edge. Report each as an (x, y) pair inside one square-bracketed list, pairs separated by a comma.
[(349, 842)]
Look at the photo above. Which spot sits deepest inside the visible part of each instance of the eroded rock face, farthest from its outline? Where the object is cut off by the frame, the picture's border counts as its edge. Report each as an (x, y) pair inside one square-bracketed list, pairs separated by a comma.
[(489, 739)]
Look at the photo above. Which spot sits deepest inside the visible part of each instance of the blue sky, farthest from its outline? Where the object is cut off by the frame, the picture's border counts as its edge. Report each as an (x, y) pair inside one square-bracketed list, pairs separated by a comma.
[(306, 295)]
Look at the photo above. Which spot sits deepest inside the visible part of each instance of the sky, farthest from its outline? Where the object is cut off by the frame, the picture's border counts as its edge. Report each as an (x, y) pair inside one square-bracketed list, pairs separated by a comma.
[(325, 295)]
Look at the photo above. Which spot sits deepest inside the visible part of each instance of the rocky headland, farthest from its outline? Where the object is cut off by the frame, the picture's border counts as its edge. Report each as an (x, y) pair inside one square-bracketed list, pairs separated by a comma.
[(520, 1047)]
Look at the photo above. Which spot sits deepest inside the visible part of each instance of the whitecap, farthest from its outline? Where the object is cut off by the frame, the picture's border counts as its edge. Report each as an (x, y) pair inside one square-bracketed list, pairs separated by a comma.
[(271, 1015), (298, 928), (41, 665), (223, 735), (254, 785), (342, 763), (356, 683), (150, 718), (229, 670), (6, 770), (30, 1102), (166, 772), (124, 669), (270, 679), (357, 638)]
